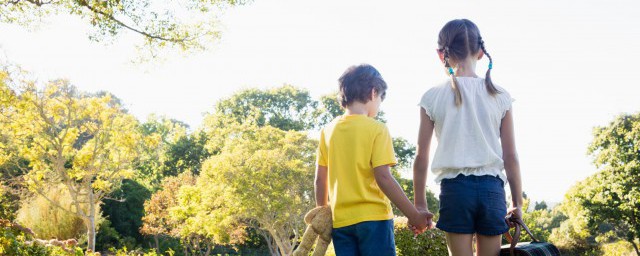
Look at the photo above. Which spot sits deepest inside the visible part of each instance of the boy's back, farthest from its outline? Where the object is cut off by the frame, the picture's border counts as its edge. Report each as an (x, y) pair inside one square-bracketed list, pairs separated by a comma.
[(350, 146)]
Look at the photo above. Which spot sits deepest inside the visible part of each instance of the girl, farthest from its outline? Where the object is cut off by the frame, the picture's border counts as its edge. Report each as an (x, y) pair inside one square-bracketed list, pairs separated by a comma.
[(473, 122)]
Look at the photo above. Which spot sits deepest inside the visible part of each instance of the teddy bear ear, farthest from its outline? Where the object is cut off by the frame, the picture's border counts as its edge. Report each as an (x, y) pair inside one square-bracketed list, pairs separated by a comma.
[(311, 214)]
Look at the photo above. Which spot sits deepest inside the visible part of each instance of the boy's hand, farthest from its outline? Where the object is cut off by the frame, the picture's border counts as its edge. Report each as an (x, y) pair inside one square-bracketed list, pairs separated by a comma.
[(422, 222)]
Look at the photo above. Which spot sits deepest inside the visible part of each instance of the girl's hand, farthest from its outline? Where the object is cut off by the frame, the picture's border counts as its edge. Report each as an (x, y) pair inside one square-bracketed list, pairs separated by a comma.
[(425, 220), (514, 212)]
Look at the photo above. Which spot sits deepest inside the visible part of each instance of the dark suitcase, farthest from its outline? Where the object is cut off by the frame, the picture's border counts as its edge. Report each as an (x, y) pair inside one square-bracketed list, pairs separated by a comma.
[(529, 248)]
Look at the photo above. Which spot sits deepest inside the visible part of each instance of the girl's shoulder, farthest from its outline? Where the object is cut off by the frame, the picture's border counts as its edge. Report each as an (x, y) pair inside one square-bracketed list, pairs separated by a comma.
[(439, 89)]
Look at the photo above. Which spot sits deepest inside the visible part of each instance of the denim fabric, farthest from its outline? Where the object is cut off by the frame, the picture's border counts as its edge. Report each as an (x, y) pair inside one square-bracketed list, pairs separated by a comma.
[(368, 238), (473, 204)]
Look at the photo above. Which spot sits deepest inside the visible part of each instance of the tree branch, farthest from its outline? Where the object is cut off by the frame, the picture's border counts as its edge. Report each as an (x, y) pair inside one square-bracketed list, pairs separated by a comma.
[(114, 19)]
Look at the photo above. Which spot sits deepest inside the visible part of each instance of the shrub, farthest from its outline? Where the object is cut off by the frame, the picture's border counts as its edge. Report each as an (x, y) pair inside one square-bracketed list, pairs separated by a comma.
[(432, 242)]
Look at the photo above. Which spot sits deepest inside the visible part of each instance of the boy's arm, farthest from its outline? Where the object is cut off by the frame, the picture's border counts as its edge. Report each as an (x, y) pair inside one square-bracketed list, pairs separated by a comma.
[(421, 162), (321, 186), (392, 190), (511, 163)]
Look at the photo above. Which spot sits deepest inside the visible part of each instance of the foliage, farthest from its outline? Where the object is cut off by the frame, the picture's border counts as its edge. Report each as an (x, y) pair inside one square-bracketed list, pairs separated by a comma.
[(85, 143), (125, 210), (183, 24), (157, 221), (615, 197), (263, 177), (573, 233), (9, 204), (431, 242), (286, 108), (14, 241)]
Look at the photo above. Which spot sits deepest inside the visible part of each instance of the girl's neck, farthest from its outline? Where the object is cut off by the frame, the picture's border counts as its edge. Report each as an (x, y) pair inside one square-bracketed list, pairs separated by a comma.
[(466, 68)]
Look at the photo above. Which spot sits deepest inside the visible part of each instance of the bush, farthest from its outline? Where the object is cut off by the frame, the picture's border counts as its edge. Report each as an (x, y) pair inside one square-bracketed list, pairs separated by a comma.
[(619, 248), (432, 242), (14, 241), (47, 220)]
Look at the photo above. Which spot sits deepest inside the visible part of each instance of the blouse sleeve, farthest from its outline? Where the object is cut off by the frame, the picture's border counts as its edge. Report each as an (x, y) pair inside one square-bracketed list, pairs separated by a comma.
[(505, 101), (427, 103)]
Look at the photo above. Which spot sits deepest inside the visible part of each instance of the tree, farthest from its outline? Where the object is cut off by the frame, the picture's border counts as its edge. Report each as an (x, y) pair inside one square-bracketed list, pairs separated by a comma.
[(183, 24), (263, 177), (157, 221), (86, 144), (286, 108), (540, 206), (125, 208), (615, 198)]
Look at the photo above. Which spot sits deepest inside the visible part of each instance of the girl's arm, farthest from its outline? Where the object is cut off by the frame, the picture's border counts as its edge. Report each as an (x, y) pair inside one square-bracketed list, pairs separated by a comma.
[(321, 186), (422, 161), (511, 163)]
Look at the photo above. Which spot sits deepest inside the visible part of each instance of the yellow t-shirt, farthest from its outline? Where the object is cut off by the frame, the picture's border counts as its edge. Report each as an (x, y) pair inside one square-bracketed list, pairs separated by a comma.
[(350, 147)]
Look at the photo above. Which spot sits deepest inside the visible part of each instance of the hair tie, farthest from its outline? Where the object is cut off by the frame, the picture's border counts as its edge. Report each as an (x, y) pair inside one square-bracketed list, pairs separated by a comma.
[(450, 70), (490, 65)]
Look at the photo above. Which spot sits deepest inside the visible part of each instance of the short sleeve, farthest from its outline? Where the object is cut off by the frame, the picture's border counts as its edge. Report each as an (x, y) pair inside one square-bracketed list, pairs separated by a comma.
[(382, 153), (427, 103), (321, 153), (504, 101)]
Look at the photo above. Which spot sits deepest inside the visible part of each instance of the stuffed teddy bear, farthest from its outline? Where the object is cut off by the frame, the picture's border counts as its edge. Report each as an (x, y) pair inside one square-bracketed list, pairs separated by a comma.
[(319, 223)]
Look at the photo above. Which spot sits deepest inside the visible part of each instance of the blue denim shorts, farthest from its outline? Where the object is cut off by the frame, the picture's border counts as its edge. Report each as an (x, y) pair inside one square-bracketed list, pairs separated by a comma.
[(473, 204), (365, 238)]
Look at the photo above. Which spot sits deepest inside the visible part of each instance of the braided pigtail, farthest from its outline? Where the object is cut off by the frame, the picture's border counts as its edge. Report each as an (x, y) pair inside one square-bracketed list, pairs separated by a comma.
[(454, 81), (487, 79)]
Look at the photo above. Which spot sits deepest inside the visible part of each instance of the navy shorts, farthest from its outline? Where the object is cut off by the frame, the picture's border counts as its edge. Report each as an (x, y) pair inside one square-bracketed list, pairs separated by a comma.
[(473, 204), (365, 238)]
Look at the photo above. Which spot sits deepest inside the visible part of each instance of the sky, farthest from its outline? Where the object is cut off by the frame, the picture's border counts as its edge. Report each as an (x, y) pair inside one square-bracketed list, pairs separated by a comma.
[(569, 65)]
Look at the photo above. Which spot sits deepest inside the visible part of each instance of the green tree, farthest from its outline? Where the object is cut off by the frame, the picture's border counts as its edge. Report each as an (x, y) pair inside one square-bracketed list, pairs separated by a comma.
[(286, 108), (182, 24), (540, 206), (124, 209), (573, 234), (263, 177), (615, 198), (86, 144)]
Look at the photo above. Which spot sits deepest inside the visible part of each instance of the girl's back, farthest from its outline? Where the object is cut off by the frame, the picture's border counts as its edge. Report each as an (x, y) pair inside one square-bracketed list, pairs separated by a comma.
[(468, 134)]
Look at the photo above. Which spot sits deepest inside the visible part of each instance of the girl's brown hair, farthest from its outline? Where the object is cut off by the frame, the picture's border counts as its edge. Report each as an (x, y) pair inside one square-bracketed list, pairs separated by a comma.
[(457, 40)]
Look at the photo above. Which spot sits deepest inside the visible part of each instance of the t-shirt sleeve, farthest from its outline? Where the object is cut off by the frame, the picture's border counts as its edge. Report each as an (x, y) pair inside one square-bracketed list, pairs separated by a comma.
[(426, 102), (321, 153), (383, 153)]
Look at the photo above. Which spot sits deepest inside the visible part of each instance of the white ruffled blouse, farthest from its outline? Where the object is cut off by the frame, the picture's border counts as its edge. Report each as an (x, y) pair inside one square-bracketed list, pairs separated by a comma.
[(469, 135)]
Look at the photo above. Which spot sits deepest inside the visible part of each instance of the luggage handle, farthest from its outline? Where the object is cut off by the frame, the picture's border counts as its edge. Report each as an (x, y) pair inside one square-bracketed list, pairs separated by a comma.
[(516, 236)]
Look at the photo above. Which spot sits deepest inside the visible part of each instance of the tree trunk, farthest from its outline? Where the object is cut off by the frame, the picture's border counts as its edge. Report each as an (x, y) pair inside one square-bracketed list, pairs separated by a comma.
[(155, 238), (91, 229), (635, 246)]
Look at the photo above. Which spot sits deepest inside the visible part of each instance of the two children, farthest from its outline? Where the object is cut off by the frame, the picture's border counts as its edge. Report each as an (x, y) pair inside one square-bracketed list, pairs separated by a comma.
[(473, 122)]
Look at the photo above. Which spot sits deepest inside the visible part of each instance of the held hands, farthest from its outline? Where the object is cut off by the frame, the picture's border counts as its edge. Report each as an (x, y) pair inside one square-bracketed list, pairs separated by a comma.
[(422, 222)]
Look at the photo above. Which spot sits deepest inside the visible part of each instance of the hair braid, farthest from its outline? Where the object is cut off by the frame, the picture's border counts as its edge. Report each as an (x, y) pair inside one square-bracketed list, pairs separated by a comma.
[(454, 81), (487, 80)]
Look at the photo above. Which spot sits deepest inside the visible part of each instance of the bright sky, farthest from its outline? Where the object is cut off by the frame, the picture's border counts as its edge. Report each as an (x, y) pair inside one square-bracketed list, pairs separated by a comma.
[(569, 65)]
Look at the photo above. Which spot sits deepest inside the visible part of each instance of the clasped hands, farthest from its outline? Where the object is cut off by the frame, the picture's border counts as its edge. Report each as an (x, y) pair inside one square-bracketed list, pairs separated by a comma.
[(421, 223)]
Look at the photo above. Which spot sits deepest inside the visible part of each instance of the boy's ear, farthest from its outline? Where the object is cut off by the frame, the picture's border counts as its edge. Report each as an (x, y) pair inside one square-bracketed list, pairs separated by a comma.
[(373, 94)]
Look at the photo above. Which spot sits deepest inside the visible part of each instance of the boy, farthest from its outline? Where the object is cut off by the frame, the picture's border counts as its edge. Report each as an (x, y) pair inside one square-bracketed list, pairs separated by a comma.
[(354, 156)]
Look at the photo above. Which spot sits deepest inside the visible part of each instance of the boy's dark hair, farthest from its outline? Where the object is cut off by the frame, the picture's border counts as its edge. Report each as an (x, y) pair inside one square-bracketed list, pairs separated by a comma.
[(357, 82)]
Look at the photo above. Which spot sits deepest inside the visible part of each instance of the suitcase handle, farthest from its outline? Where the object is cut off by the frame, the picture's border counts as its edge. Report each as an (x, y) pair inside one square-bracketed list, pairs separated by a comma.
[(516, 236)]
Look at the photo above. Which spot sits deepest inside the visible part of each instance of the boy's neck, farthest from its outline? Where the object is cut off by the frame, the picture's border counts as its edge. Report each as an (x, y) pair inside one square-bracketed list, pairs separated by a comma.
[(357, 108)]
